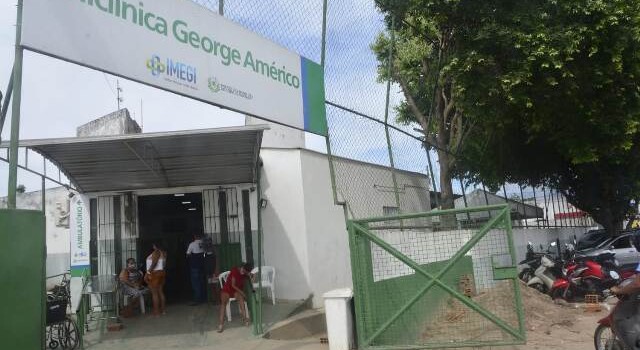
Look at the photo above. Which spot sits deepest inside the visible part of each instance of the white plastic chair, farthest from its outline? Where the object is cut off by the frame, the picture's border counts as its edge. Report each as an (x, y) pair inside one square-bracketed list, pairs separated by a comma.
[(222, 278), (268, 280), (142, 306)]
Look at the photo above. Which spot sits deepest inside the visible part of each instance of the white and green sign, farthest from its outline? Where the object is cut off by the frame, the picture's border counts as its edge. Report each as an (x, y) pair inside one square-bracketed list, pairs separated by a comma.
[(179, 46), (79, 235)]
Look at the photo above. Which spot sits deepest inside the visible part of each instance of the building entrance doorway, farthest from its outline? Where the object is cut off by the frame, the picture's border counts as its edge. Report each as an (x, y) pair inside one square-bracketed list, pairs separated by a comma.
[(171, 220)]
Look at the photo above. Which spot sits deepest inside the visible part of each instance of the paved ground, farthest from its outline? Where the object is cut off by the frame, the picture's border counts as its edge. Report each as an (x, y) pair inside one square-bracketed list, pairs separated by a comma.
[(194, 328), (189, 328)]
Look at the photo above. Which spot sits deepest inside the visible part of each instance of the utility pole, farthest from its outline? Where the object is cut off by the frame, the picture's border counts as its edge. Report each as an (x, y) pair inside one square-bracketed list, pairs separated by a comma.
[(141, 117), (119, 90)]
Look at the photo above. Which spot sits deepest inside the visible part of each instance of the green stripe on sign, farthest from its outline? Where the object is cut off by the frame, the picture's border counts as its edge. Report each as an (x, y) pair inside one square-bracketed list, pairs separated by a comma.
[(79, 271), (315, 116)]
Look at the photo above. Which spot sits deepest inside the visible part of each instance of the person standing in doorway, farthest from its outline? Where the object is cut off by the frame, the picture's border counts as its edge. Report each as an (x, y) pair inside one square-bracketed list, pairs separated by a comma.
[(195, 255), (155, 278)]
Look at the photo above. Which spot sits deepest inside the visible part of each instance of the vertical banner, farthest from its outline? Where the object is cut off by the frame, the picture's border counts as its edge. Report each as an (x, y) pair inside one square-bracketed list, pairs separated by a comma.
[(79, 235)]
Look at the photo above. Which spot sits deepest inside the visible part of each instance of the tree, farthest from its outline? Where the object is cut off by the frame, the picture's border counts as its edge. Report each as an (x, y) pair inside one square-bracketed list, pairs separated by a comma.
[(418, 59), (554, 89)]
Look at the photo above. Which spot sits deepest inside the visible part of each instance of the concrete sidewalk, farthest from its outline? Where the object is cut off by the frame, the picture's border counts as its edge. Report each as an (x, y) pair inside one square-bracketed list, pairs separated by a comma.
[(188, 328)]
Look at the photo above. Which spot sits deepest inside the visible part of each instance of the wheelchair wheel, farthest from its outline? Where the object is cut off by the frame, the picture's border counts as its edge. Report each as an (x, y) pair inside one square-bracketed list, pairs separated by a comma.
[(53, 344), (50, 339), (70, 336)]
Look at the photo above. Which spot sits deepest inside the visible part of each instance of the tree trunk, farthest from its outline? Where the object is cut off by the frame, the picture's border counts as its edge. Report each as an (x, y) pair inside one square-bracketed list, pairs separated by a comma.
[(610, 222), (447, 222), (446, 189)]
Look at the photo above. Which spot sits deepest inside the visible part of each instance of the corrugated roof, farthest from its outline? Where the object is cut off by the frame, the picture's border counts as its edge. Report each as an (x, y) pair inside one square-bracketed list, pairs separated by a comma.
[(156, 160)]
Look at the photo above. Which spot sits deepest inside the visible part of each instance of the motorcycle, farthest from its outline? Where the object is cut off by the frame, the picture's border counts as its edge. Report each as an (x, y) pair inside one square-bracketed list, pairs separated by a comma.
[(546, 274), (528, 266), (587, 276), (620, 330), (550, 268)]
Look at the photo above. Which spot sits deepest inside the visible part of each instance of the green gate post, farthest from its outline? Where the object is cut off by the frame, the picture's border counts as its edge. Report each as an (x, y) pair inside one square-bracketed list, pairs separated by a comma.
[(359, 286), (22, 267)]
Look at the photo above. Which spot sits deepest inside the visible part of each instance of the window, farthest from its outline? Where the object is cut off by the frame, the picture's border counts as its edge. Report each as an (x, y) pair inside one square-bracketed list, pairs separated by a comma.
[(622, 243), (390, 211)]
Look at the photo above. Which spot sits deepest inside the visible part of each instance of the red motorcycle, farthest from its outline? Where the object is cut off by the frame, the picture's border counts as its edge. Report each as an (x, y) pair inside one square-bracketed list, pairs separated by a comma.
[(621, 328), (588, 276)]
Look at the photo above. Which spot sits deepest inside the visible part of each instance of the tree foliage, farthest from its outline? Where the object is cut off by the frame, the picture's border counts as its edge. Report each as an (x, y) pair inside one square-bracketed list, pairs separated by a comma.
[(555, 91), (531, 92), (418, 58)]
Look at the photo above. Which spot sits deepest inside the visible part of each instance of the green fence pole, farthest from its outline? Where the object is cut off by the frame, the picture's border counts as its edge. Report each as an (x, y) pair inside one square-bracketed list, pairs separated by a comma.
[(359, 295), (258, 320), (323, 57), (15, 113), (44, 197), (5, 102), (396, 190), (516, 285)]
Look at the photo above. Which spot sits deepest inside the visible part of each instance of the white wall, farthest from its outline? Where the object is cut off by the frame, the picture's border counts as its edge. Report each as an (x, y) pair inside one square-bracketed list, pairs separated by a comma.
[(57, 229), (368, 188), (278, 136), (537, 236), (327, 238), (283, 223), (305, 234)]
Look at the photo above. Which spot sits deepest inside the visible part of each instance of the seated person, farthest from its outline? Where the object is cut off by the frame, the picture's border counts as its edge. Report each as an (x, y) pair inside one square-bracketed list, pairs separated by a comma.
[(234, 288), (131, 280)]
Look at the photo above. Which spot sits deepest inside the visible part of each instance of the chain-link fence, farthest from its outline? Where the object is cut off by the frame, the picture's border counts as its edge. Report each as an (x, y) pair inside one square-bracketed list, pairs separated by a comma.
[(393, 172)]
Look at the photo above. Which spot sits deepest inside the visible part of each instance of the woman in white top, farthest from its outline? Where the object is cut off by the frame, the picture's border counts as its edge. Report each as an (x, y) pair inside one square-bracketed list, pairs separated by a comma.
[(155, 278)]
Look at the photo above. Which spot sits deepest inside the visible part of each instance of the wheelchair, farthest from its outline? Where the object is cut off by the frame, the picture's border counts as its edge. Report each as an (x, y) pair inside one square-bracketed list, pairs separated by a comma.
[(61, 330)]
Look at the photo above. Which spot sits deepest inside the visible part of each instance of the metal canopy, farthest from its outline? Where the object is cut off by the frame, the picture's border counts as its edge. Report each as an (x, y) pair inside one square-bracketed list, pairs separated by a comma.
[(156, 160)]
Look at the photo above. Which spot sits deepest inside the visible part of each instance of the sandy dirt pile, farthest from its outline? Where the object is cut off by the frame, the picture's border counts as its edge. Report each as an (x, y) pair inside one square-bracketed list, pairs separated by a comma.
[(557, 326), (549, 325)]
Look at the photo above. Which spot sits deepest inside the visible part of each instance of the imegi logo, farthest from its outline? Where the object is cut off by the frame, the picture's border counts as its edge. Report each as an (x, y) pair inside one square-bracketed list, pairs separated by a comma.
[(155, 65), (174, 70)]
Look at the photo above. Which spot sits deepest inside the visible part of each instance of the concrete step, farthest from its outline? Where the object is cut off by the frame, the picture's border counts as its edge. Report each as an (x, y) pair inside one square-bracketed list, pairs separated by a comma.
[(309, 323)]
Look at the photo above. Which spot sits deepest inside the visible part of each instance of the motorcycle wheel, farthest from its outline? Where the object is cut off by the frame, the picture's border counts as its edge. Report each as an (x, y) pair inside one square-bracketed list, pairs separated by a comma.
[(526, 275), (604, 339), (560, 294), (540, 288)]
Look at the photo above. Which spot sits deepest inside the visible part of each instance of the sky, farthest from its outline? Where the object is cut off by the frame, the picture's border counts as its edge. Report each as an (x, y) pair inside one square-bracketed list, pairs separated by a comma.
[(58, 96)]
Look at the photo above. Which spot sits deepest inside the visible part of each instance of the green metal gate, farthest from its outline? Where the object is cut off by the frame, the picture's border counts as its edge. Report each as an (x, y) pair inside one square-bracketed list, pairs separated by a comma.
[(443, 279)]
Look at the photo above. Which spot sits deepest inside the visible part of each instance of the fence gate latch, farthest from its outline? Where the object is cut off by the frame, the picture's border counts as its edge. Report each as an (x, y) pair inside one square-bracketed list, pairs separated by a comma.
[(503, 268)]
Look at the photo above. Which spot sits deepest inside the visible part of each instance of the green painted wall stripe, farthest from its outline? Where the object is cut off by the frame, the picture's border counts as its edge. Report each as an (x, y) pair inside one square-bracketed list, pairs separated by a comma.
[(315, 116)]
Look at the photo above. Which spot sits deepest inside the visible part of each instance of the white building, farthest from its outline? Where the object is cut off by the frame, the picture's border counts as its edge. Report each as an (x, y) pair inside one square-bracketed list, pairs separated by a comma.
[(139, 188)]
